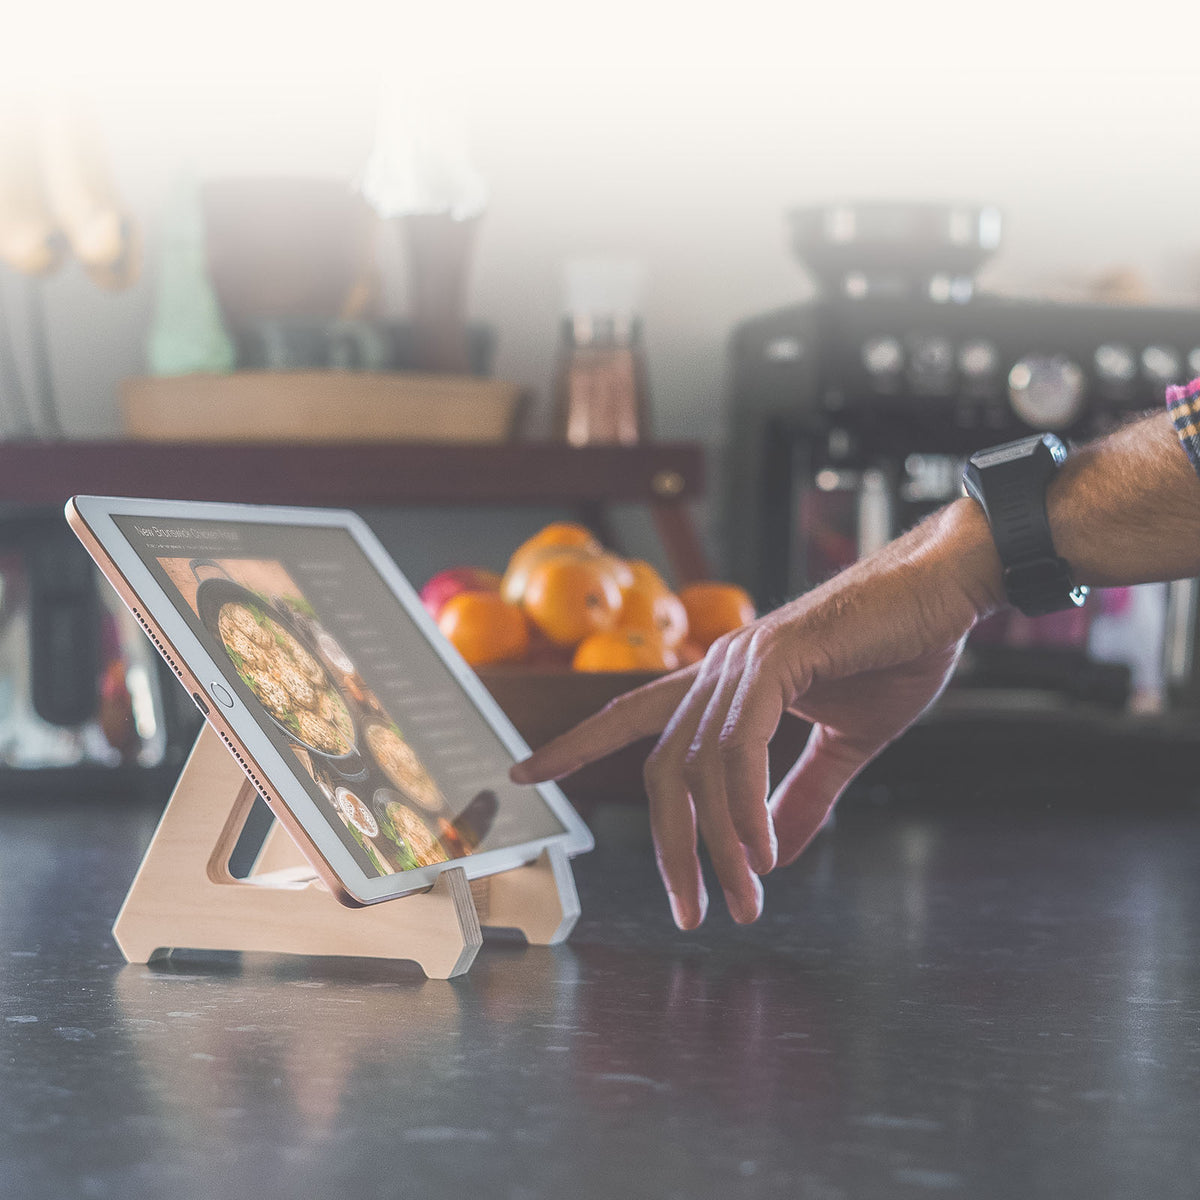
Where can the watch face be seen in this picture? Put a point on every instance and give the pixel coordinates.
(1022, 448)
(1047, 391)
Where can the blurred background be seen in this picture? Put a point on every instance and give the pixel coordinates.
(645, 131)
(807, 215)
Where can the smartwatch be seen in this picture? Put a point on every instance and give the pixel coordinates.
(1009, 482)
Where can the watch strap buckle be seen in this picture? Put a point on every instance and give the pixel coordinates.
(1037, 587)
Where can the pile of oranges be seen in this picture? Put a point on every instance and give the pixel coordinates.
(566, 601)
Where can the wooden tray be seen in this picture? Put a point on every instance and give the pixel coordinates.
(320, 406)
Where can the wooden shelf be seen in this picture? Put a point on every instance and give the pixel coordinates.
(353, 474)
(662, 475)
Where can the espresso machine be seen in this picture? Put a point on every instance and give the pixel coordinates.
(851, 414)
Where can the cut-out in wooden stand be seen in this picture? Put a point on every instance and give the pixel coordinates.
(185, 897)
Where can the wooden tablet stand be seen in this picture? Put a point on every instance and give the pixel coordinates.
(184, 895)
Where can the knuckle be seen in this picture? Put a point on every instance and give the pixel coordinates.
(694, 769)
(736, 739)
(714, 656)
(731, 740)
(762, 642)
(735, 753)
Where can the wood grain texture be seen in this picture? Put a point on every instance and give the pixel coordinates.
(185, 897)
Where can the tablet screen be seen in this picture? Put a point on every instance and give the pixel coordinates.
(344, 683)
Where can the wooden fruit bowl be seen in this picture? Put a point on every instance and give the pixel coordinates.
(543, 703)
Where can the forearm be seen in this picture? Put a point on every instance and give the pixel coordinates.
(1126, 509)
(1123, 510)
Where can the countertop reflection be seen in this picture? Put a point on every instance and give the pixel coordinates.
(942, 1000)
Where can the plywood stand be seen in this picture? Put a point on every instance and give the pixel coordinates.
(184, 895)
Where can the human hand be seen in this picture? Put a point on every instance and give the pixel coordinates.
(860, 657)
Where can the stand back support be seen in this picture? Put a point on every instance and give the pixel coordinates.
(184, 895)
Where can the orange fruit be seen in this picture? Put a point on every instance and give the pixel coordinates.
(648, 603)
(562, 533)
(622, 571)
(645, 575)
(559, 535)
(520, 568)
(453, 580)
(570, 595)
(714, 609)
(554, 539)
(624, 650)
(484, 628)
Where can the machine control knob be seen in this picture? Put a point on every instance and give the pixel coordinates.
(1115, 363)
(883, 355)
(1047, 391)
(1161, 364)
(978, 358)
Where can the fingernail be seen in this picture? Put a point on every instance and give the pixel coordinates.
(762, 861)
(759, 858)
(682, 915)
(519, 773)
(746, 910)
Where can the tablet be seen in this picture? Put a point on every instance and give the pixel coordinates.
(369, 737)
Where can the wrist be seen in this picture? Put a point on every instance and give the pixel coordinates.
(965, 552)
(1010, 483)
(1126, 510)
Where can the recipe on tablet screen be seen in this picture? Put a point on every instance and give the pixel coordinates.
(337, 674)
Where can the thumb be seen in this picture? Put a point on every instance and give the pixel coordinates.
(811, 787)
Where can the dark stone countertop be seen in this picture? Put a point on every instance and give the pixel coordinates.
(985, 998)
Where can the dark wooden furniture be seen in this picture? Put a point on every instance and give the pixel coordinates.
(665, 476)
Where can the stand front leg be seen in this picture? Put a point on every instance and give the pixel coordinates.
(540, 899)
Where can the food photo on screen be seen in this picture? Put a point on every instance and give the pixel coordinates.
(354, 750)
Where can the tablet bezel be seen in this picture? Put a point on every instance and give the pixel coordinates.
(91, 517)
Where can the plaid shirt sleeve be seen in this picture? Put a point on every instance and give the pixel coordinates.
(1183, 405)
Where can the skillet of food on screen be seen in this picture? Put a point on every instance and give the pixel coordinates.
(402, 768)
(271, 658)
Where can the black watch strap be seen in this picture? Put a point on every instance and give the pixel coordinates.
(1009, 482)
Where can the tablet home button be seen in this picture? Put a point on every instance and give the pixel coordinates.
(221, 695)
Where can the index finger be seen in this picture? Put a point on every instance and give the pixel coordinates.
(637, 714)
